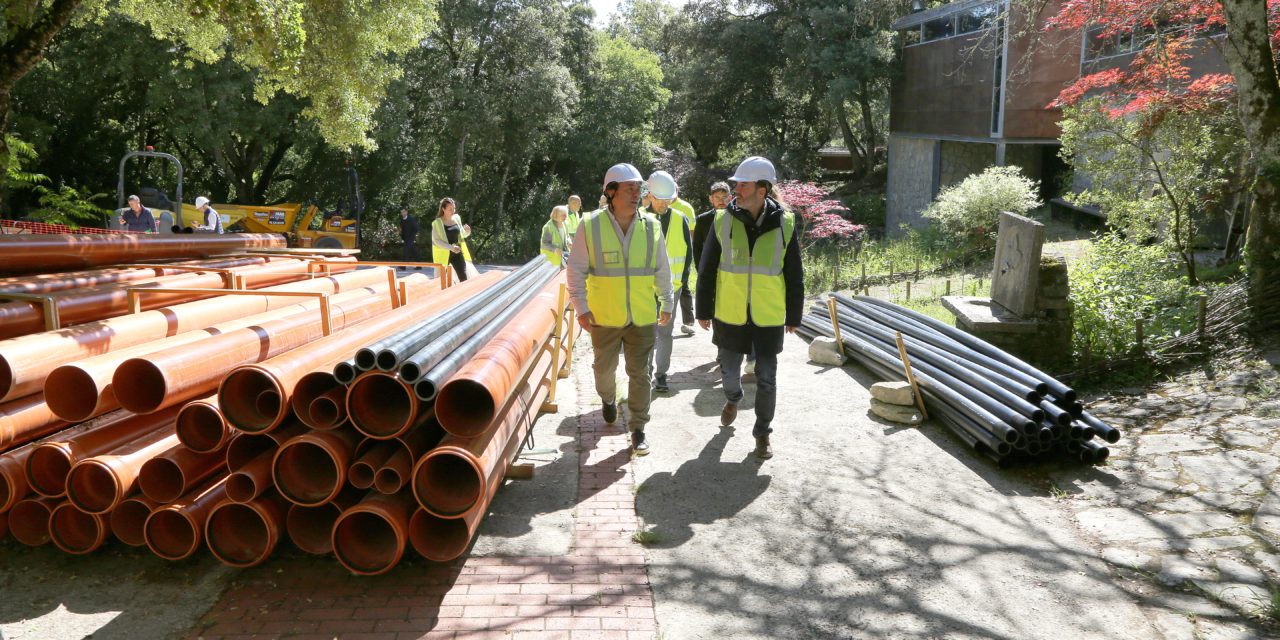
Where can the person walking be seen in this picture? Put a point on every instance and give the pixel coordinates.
(620, 284)
(719, 199)
(664, 194)
(555, 236)
(212, 220)
(676, 234)
(753, 288)
(574, 216)
(449, 239)
(138, 218)
(409, 234)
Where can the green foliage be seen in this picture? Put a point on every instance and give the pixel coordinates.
(1118, 281)
(68, 206)
(15, 174)
(969, 212)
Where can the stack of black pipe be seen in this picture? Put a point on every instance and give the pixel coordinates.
(998, 404)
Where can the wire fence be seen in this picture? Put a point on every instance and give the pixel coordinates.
(16, 227)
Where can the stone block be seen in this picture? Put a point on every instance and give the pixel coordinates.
(895, 413)
(1016, 275)
(824, 351)
(897, 392)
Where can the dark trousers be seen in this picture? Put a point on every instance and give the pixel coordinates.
(686, 306)
(410, 252)
(459, 265)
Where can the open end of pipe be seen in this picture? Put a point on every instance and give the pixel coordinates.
(388, 481)
(447, 484)
(76, 396)
(74, 531)
(425, 390)
(361, 474)
(1101, 455)
(410, 372)
(93, 488)
(1004, 448)
(311, 528)
(47, 471)
(7, 491)
(6, 377)
(238, 399)
(1069, 396)
(1012, 436)
(162, 480)
(311, 386)
(139, 385)
(245, 447)
(170, 535)
(241, 487)
(366, 359)
(438, 539)
(306, 474)
(1037, 416)
(267, 403)
(324, 412)
(365, 543)
(465, 407)
(200, 428)
(344, 373)
(386, 360)
(380, 406)
(127, 521)
(238, 535)
(1112, 436)
(29, 522)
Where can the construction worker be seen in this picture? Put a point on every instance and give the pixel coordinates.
(571, 221)
(409, 235)
(212, 221)
(663, 193)
(620, 285)
(555, 236)
(138, 218)
(753, 287)
(449, 239)
(719, 199)
(676, 234)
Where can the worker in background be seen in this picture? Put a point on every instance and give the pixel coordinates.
(620, 285)
(719, 199)
(212, 221)
(449, 239)
(676, 235)
(138, 218)
(574, 216)
(753, 287)
(409, 235)
(555, 236)
(663, 193)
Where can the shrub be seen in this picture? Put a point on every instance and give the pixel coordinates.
(969, 212)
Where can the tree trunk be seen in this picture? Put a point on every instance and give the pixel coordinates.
(459, 162)
(1248, 52)
(24, 49)
(846, 133)
(868, 129)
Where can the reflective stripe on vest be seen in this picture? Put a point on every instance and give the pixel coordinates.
(621, 286)
(751, 282)
(677, 249)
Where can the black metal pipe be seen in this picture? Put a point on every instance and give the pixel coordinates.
(1096, 453)
(345, 372)
(1055, 413)
(1102, 429)
(414, 366)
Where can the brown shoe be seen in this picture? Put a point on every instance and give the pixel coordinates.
(728, 414)
(764, 450)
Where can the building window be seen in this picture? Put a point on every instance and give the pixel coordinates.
(939, 29)
(958, 23)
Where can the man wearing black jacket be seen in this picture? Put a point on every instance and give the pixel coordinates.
(752, 284)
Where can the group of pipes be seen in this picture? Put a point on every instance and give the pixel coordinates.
(234, 420)
(993, 401)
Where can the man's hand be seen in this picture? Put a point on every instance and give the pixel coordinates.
(456, 249)
(791, 329)
(466, 228)
(664, 318)
(586, 321)
(122, 220)
(705, 324)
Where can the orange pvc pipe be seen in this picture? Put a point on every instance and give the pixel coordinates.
(311, 528)
(319, 400)
(50, 282)
(50, 462)
(27, 419)
(281, 374)
(25, 362)
(129, 518)
(175, 531)
(251, 480)
(29, 520)
(244, 534)
(36, 253)
(382, 406)
(171, 376)
(247, 446)
(370, 538)
(13, 476)
(469, 401)
(369, 457)
(410, 447)
(449, 481)
(167, 476)
(312, 468)
(77, 532)
(96, 485)
(444, 539)
(201, 426)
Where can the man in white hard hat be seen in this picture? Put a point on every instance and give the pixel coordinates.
(212, 222)
(664, 196)
(620, 285)
(676, 234)
(753, 287)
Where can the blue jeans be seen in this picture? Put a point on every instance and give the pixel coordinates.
(766, 385)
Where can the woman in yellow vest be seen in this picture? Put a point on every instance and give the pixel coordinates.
(449, 239)
(555, 236)
(752, 284)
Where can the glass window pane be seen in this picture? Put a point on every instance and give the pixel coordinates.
(940, 28)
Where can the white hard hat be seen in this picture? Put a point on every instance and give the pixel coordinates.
(622, 173)
(201, 201)
(662, 186)
(755, 169)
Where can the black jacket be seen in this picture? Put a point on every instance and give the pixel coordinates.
(741, 339)
(409, 229)
(700, 233)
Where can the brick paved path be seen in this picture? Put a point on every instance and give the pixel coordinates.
(599, 591)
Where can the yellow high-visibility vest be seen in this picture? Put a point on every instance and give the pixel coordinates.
(749, 283)
(439, 255)
(685, 209)
(677, 248)
(571, 223)
(620, 280)
(553, 238)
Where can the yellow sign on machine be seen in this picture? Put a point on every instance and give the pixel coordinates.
(311, 229)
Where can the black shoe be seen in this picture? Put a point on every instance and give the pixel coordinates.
(638, 445)
(610, 412)
(764, 450)
(660, 384)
